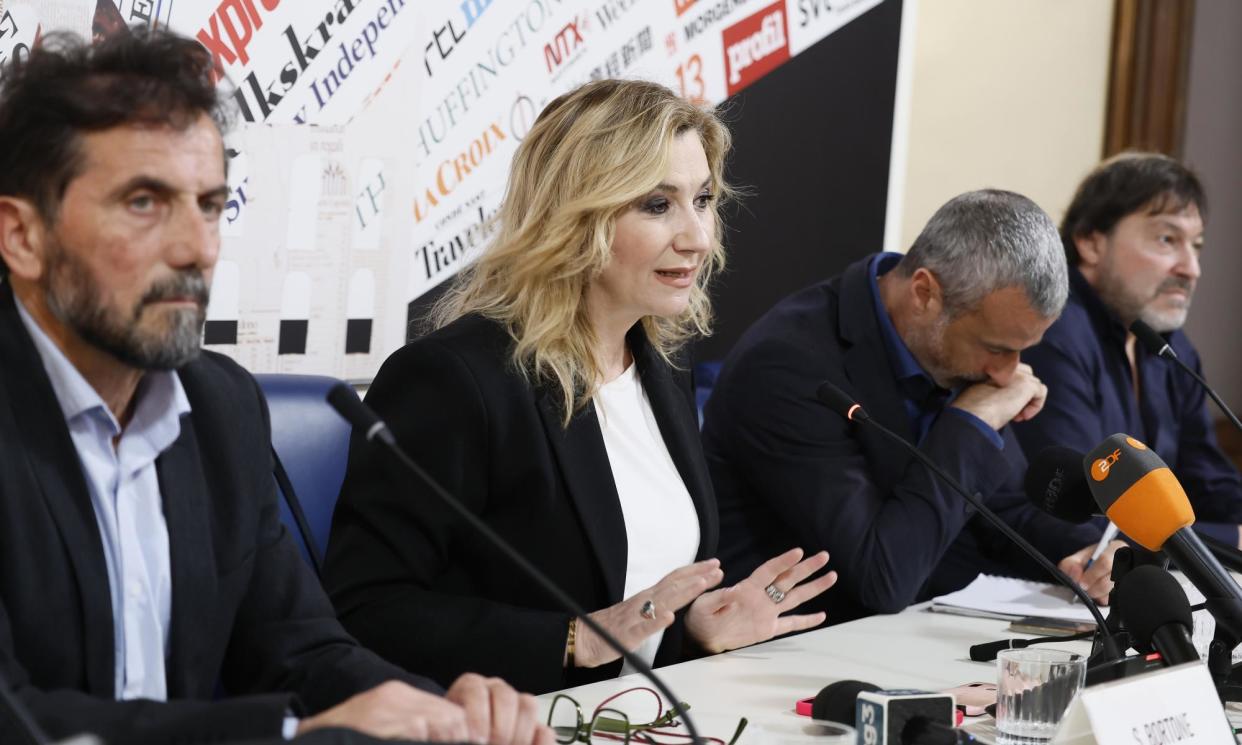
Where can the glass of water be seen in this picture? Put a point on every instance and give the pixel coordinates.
(1034, 687)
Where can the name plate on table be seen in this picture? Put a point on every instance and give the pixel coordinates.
(1173, 706)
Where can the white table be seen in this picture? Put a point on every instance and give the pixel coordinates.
(912, 649)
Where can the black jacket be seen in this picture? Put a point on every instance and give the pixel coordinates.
(416, 584)
(788, 471)
(247, 614)
(1082, 360)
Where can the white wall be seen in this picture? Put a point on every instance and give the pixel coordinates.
(1008, 94)
(1213, 148)
(1013, 94)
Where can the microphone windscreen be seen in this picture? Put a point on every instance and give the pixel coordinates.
(346, 402)
(836, 701)
(1147, 336)
(1137, 491)
(835, 398)
(1056, 484)
(1147, 598)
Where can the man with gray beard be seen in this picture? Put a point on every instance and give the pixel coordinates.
(148, 591)
(1133, 235)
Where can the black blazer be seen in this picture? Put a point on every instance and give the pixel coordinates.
(247, 614)
(421, 588)
(790, 472)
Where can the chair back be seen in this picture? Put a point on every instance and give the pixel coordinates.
(705, 374)
(310, 444)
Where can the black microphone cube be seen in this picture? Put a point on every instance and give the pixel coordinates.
(880, 716)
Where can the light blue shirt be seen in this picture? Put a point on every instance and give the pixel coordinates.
(119, 467)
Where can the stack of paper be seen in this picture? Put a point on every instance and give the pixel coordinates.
(1007, 598)
(1010, 599)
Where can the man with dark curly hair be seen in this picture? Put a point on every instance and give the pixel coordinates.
(1133, 235)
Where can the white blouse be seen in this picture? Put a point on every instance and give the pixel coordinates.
(661, 525)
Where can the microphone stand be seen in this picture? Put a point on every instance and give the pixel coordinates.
(346, 403)
(1227, 555)
(1227, 676)
(11, 708)
(1105, 648)
(1155, 344)
(1220, 651)
(1227, 611)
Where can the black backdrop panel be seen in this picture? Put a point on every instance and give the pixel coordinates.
(811, 143)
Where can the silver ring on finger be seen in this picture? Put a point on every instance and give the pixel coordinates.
(648, 610)
(774, 592)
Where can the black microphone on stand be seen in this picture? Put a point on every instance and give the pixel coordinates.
(1154, 343)
(845, 405)
(1139, 493)
(1156, 612)
(1056, 484)
(364, 420)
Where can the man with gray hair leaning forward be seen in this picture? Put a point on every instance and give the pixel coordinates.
(928, 343)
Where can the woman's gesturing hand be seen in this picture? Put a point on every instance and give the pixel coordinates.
(646, 612)
(750, 611)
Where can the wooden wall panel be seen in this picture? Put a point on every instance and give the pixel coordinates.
(1150, 67)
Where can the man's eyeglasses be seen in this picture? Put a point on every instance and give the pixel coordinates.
(610, 724)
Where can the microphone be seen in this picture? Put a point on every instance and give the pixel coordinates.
(841, 402)
(1154, 343)
(836, 701)
(1151, 340)
(987, 651)
(346, 403)
(1055, 483)
(844, 404)
(1157, 614)
(1139, 493)
(891, 717)
(361, 417)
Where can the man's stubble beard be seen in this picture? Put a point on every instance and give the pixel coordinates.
(74, 298)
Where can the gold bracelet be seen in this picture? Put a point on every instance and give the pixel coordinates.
(569, 643)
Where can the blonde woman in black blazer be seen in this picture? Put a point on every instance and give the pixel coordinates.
(606, 241)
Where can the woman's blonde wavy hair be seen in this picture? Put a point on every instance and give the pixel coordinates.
(592, 153)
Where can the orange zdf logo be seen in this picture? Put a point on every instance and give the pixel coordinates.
(1101, 468)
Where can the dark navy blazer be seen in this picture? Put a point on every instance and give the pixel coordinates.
(248, 617)
(1083, 362)
(789, 472)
